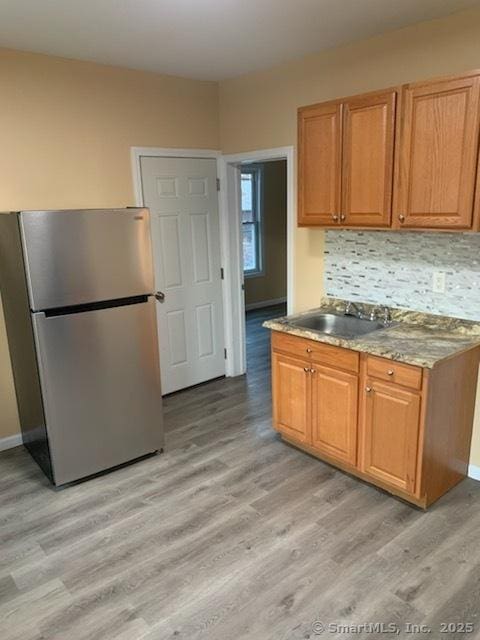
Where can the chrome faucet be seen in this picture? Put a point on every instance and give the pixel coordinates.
(386, 315)
(352, 309)
(381, 313)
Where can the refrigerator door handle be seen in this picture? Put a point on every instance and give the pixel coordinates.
(160, 296)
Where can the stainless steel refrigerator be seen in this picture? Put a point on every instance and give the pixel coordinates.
(78, 297)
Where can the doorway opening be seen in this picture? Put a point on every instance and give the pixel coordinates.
(257, 203)
(264, 241)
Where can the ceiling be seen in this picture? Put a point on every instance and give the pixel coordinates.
(203, 39)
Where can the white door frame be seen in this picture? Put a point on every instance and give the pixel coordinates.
(230, 237)
(230, 213)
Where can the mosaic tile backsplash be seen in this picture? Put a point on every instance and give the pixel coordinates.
(396, 269)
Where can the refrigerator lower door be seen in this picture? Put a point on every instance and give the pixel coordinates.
(100, 379)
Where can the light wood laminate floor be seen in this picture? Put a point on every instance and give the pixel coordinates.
(230, 534)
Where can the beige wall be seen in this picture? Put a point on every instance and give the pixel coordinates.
(273, 283)
(258, 111)
(66, 129)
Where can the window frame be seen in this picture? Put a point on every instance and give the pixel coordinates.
(257, 197)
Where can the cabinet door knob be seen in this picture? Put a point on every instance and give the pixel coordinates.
(390, 372)
(306, 369)
(308, 350)
(368, 389)
(401, 217)
(343, 217)
(313, 370)
(335, 217)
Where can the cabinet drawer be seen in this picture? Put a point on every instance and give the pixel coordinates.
(316, 351)
(399, 373)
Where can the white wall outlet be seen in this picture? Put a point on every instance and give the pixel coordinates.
(438, 282)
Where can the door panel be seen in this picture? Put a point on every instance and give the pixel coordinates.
(390, 433)
(367, 163)
(319, 164)
(78, 257)
(291, 382)
(182, 196)
(438, 154)
(170, 248)
(334, 413)
(101, 388)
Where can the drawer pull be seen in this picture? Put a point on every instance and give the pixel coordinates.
(390, 372)
(308, 350)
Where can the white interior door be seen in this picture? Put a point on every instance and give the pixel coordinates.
(182, 196)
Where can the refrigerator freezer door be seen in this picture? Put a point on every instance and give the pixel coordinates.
(77, 257)
(101, 387)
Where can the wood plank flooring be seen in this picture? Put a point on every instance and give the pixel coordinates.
(230, 534)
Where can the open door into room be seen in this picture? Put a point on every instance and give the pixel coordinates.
(264, 242)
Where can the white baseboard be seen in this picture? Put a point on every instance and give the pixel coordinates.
(10, 442)
(474, 472)
(265, 303)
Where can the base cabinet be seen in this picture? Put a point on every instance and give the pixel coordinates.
(390, 426)
(291, 396)
(405, 429)
(334, 413)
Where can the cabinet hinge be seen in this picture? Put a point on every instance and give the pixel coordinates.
(218, 184)
(222, 273)
(225, 354)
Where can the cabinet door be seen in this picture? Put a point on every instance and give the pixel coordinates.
(319, 160)
(291, 382)
(390, 428)
(367, 163)
(439, 144)
(334, 413)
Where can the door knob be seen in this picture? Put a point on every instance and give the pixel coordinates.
(160, 296)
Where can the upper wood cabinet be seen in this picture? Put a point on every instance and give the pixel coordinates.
(416, 147)
(367, 160)
(319, 174)
(345, 167)
(438, 154)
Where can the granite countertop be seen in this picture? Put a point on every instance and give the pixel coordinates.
(415, 338)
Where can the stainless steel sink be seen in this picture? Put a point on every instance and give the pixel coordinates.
(342, 326)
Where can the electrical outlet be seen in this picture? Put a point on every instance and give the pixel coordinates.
(438, 282)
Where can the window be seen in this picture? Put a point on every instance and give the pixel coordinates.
(251, 221)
